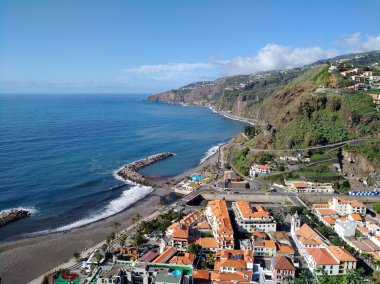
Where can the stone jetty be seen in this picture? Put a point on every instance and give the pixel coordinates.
(130, 171)
(11, 215)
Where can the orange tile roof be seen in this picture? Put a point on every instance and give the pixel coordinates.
(326, 212)
(356, 204)
(329, 220)
(341, 254)
(207, 242)
(254, 212)
(307, 235)
(162, 257)
(315, 205)
(181, 233)
(285, 249)
(356, 216)
(300, 184)
(283, 263)
(201, 274)
(187, 259)
(321, 256)
(237, 276)
(363, 229)
(263, 167)
(266, 244)
(219, 210)
(259, 234)
(203, 225)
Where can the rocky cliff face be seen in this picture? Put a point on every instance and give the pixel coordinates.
(359, 170)
(9, 216)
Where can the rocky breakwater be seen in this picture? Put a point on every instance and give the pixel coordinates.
(130, 171)
(11, 215)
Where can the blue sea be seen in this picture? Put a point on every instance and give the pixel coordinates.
(58, 153)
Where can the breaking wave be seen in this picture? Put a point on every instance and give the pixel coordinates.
(210, 152)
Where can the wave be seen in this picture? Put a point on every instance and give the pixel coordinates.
(32, 210)
(210, 152)
(127, 198)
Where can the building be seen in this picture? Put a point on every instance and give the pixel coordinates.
(345, 229)
(178, 232)
(346, 207)
(254, 218)
(376, 98)
(219, 220)
(186, 259)
(126, 272)
(259, 169)
(264, 248)
(283, 269)
(309, 187)
(208, 244)
(230, 261)
(333, 259)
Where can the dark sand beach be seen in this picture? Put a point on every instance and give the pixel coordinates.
(24, 260)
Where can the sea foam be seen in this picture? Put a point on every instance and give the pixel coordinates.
(210, 152)
(127, 198)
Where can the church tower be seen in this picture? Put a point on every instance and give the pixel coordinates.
(296, 223)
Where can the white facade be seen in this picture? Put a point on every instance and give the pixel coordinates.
(345, 229)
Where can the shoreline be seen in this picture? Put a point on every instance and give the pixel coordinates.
(50, 251)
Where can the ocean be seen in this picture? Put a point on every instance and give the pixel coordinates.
(58, 153)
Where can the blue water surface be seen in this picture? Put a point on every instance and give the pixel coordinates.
(58, 152)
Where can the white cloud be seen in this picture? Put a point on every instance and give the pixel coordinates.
(274, 56)
(357, 44)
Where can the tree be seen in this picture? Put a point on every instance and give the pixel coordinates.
(354, 276)
(76, 255)
(122, 240)
(194, 248)
(376, 207)
(376, 275)
(104, 247)
(98, 256)
(137, 240)
(115, 225)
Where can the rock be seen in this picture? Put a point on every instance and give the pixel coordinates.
(130, 171)
(11, 215)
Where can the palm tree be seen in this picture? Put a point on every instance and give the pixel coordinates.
(116, 226)
(98, 256)
(76, 255)
(122, 240)
(104, 248)
(354, 276)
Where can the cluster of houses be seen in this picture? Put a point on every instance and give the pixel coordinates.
(350, 221)
(241, 243)
(362, 79)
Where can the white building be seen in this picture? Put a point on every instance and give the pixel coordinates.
(346, 207)
(345, 229)
(250, 219)
(259, 169)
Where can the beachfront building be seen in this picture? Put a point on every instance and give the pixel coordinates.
(254, 218)
(143, 273)
(219, 220)
(178, 232)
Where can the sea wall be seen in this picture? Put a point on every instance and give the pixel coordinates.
(130, 171)
(11, 215)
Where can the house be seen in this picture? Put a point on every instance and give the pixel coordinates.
(375, 98)
(264, 248)
(367, 73)
(242, 277)
(283, 269)
(230, 261)
(219, 220)
(201, 276)
(309, 187)
(259, 169)
(186, 259)
(208, 244)
(254, 218)
(166, 255)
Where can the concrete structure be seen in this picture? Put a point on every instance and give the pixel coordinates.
(219, 220)
(345, 229)
(250, 219)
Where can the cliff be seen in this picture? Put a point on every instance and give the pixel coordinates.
(130, 171)
(361, 165)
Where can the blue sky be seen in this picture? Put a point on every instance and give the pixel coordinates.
(149, 46)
